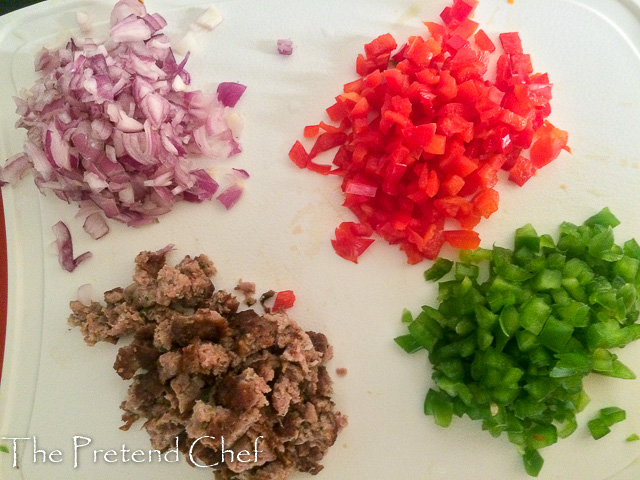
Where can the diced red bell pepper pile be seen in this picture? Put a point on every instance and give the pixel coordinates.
(422, 134)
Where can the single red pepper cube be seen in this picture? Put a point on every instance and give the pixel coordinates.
(462, 239)
(521, 63)
(521, 171)
(466, 28)
(461, 9)
(299, 155)
(511, 42)
(456, 42)
(284, 299)
(483, 42)
(486, 202)
(380, 45)
(446, 16)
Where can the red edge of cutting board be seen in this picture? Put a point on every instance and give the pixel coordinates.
(4, 284)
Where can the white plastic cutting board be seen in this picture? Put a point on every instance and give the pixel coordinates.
(54, 387)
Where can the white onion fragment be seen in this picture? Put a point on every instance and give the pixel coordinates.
(84, 22)
(112, 126)
(209, 19)
(85, 294)
(206, 22)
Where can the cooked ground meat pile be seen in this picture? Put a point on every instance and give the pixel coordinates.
(203, 370)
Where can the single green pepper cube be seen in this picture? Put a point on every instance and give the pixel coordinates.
(573, 312)
(525, 257)
(425, 331)
(603, 218)
(478, 255)
(440, 406)
(462, 270)
(602, 360)
(505, 395)
(526, 236)
(484, 338)
(509, 320)
(570, 364)
(609, 334)
(556, 260)
(573, 287)
(555, 334)
(612, 415)
(526, 340)
(620, 370)
(535, 264)
(465, 326)
(440, 267)
(533, 314)
(627, 268)
(452, 368)
(602, 245)
(542, 435)
(573, 240)
(541, 387)
(485, 318)
(434, 314)
(547, 244)
(578, 269)
(547, 279)
(501, 256)
(512, 376)
(532, 461)
(527, 407)
(567, 427)
(598, 428)
(581, 401)
(514, 273)
(632, 249)
(408, 343)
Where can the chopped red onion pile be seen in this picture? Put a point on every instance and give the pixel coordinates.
(111, 127)
(285, 46)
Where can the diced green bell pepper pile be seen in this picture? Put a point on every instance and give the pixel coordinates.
(517, 330)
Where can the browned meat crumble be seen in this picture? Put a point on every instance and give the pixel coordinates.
(204, 371)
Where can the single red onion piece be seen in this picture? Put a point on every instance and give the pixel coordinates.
(285, 46)
(96, 226)
(166, 249)
(59, 150)
(230, 195)
(230, 92)
(16, 167)
(240, 173)
(125, 8)
(204, 188)
(131, 29)
(65, 248)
